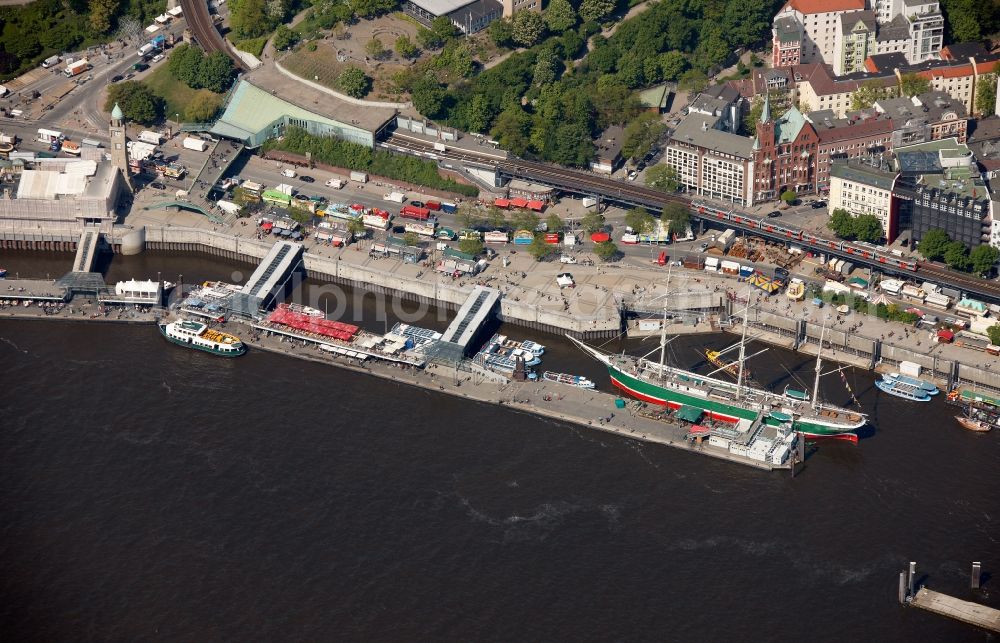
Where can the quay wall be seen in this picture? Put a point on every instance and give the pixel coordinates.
(432, 291)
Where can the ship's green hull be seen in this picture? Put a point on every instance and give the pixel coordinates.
(715, 409)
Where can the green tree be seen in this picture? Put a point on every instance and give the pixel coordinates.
(202, 106)
(788, 196)
(102, 14)
(525, 220)
(511, 130)
(284, 38)
(184, 63)
(371, 8)
(986, 94)
(374, 48)
(933, 244)
(546, 68)
(137, 102)
(677, 216)
(553, 223)
(250, 18)
(592, 222)
(956, 255)
(470, 246)
(560, 16)
(663, 177)
(428, 97)
(969, 20)
(868, 93)
(912, 85)
(993, 332)
(501, 32)
(641, 221)
(606, 250)
(527, 28)
(693, 80)
(469, 216)
(411, 238)
(480, 114)
(496, 217)
(596, 10)
(983, 258)
(215, 72)
(405, 47)
(353, 82)
(444, 29)
(672, 65)
(541, 250)
(357, 228)
(842, 223)
(868, 228)
(428, 39)
(641, 134)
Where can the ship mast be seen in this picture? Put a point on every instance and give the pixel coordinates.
(819, 365)
(743, 347)
(663, 325)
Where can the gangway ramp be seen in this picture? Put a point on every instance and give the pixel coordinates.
(86, 251)
(471, 316)
(273, 272)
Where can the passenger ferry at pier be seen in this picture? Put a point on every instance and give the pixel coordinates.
(197, 335)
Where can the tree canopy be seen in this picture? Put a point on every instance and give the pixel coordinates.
(983, 258)
(137, 102)
(865, 227)
(606, 250)
(911, 84)
(353, 82)
(541, 250)
(986, 94)
(663, 177)
(189, 65)
(933, 244)
(677, 217)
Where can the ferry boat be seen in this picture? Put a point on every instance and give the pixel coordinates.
(660, 383)
(893, 386)
(972, 424)
(930, 387)
(197, 335)
(534, 348)
(565, 378)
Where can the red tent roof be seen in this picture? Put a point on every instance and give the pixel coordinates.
(519, 202)
(501, 203)
(946, 335)
(267, 225)
(600, 237)
(536, 205)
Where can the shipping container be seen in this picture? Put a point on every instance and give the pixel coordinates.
(77, 68)
(196, 144)
(911, 369)
(440, 147)
(413, 212)
(147, 136)
(449, 208)
(396, 197)
(730, 267)
(589, 202)
(725, 240)
(712, 264)
(360, 177)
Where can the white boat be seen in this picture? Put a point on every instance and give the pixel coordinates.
(578, 381)
(893, 386)
(199, 336)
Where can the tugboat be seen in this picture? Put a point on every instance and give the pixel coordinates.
(199, 336)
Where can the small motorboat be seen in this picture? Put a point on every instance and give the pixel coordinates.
(972, 424)
(3, 273)
(570, 380)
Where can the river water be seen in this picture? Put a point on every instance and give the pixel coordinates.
(148, 492)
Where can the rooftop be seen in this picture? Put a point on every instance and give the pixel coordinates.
(609, 145)
(441, 7)
(825, 6)
(896, 29)
(863, 173)
(849, 21)
(788, 126)
(962, 50)
(788, 29)
(699, 130)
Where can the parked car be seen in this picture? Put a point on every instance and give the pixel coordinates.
(773, 214)
(158, 57)
(307, 179)
(140, 67)
(704, 246)
(816, 205)
(156, 185)
(632, 175)
(116, 78)
(417, 204)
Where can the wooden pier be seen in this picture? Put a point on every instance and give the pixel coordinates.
(982, 616)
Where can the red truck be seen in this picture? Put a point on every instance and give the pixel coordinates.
(433, 205)
(413, 212)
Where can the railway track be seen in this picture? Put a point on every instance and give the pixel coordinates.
(202, 26)
(629, 193)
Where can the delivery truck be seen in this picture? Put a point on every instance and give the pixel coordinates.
(76, 68)
(197, 144)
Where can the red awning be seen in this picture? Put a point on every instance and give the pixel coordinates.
(267, 225)
(502, 203)
(945, 335)
(519, 202)
(537, 206)
(600, 237)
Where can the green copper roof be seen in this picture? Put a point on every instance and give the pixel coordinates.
(788, 126)
(116, 113)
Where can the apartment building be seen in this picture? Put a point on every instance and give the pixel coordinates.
(711, 161)
(864, 189)
(930, 116)
(819, 23)
(854, 41)
(860, 135)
